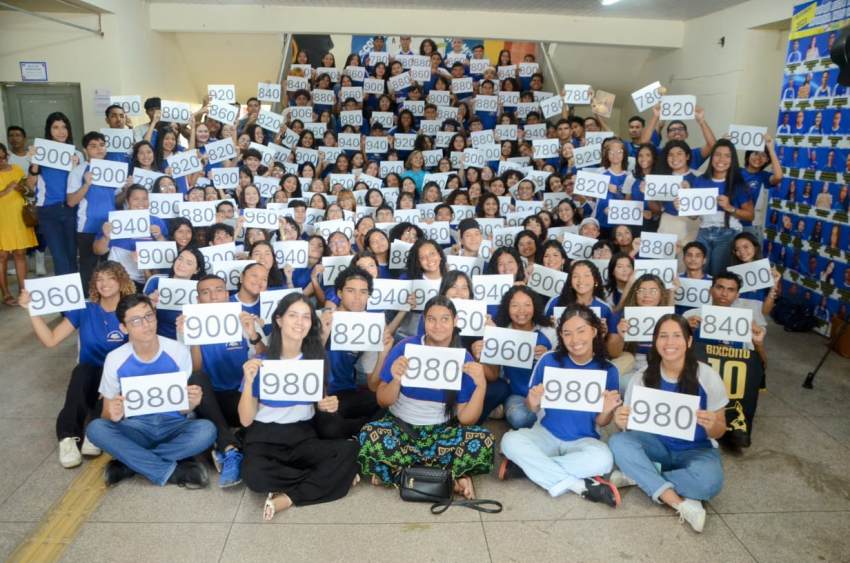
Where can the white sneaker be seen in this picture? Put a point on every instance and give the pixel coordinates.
(620, 479)
(69, 454)
(39, 264)
(692, 511)
(89, 448)
(498, 413)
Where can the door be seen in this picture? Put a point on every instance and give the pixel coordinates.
(28, 105)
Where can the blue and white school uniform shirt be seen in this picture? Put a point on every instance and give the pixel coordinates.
(223, 363)
(681, 309)
(93, 210)
(568, 425)
(100, 333)
(755, 182)
(52, 185)
(605, 311)
(519, 378)
(691, 177)
(742, 196)
(712, 397)
(279, 412)
(166, 320)
(121, 250)
(617, 180)
(419, 406)
(123, 362)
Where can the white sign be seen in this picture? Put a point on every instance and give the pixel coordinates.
(471, 316)
(547, 148)
(390, 295)
(55, 294)
(701, 201)
(747, 137)
(174, 294)
(156, 255)
(641, 322)
(573, 389)
(218, 253)
(577, 94)
(491, 288)
(118, 140)
(506, 236)
(577, 246)
(260, 218)
(508, 347)
(589, 155)
(146, 179)
(130, 224)
(469, 265)
(199, 213)
(270, 121)
(164, 206)
(663, 412)
(152, 394)
(547, 281)
(132, 105)
(222, 92)
(228, 179)
(269, 300)
(219, 151)
(755, 275)
(662, 188)
(223, 113)
(693, 293)
(678, 107)
(333, 266)
(292, 252)
(726, 324)
(552, 106)
(658, 246)
(175, 112)
(294, 83)
(591, 185)
(625, 212)
(398, 254)
(462, 85)
(212, 323)
(373, 86)
(647, 96)
(230, 271)
(433, 368)
(291, 380)
(51, 154)
(506, 132)
(358, 332)
(268, 92)
(184, 163)
(664, 269)
(423, 290)
(108, 173)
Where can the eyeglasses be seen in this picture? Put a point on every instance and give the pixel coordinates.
(643, 291)
(150, 318)
(615, 152)
(337, 244)
(676, 130)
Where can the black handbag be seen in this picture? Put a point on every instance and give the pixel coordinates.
(420, 483)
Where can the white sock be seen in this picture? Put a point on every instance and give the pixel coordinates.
(578, 487)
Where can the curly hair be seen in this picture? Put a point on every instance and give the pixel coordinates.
(600, 350)
(503, 314)
(568, 294)
(126, 285)
(414, 269)
(493, 265)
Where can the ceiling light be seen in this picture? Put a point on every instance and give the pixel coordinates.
(609, 2)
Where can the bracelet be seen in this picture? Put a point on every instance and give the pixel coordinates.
(33, 172)
(257, 340)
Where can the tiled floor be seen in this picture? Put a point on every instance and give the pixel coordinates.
(787, 498)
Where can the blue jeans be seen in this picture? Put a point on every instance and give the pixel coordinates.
(555, 464)
(152, 445)
(516, 413)
(58, 224)
(495, 395)
(718, 242)
(695, 474)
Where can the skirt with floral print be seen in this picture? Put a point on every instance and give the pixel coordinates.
(385, 448)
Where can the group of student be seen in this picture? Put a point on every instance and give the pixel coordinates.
(369, 422)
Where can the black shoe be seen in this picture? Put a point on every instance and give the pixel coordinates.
(189, 474)
(510, 470)
(602, 491)
(738, 438)
(115, 471)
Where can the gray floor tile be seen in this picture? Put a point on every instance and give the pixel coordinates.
(365, 503)
(836, 426)
(792, 466)
(804, 537)
(354, 543)
(12, 534)
(635, 539)
(25, 446)
(139, 500)
(37, 494)
(133, 543)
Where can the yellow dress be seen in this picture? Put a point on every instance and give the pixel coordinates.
(14, 235)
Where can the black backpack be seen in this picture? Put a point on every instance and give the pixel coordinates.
(794, 312)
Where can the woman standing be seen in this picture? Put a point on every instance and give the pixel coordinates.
(57, 221)
(15, 236)
(690, 470)
(282, 455)
(421, 422)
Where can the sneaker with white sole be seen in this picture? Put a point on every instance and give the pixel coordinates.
(39, 264)
(89, 448)
(498, 413)
(69, 453)
(620, 479)
(692, 511)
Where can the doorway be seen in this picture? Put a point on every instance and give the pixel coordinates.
(28, 106)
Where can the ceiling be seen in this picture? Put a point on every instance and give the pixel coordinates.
(644, 9)
(53, 6)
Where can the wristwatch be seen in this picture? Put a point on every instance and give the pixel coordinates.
(255, 341)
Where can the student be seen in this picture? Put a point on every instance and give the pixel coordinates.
(757, 178)
(282, 454)
(421, 422)
(57, 221)
(123, 250)
(690, 470)
(693, 255)
(678, 131)
(116, 119)
(520, 310)
(356, 405)
(155, 445)
(188, 265)
(93, 202)
(563, 451)
(426, 261)
(746, 249)
(621, 267)
(99, 335)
